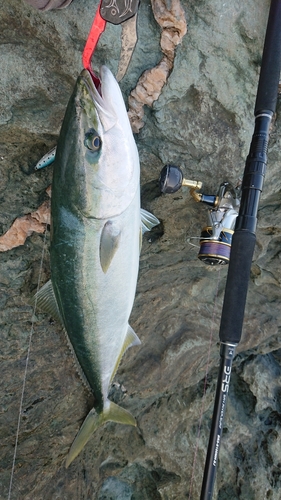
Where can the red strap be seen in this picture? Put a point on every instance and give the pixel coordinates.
(96, 30)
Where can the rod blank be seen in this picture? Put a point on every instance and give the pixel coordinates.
(244, 238)
(270, 66)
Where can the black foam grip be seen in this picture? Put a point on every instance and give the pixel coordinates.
(271, 62)
(242, 249)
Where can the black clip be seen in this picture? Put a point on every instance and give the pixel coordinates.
(118, 11)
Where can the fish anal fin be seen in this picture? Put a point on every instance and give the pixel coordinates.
(109, 242)
(148, 220)
(131, 339)
(94, 420)
(45, 299)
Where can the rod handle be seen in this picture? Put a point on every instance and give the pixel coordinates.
(242, 250)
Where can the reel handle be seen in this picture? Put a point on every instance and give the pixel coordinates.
(171, 180)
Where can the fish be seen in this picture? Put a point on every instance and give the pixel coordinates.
(96, 232)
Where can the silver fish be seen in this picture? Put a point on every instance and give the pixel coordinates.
(96, 229)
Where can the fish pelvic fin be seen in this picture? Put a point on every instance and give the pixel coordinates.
(94, 420)
(148, 220)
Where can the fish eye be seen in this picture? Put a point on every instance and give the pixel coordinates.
(92, 140)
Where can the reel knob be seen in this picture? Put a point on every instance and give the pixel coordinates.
(170, 179)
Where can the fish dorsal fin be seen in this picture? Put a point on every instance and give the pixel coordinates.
(109, 242)
(131, 339)
(45, 299)
(148, 220)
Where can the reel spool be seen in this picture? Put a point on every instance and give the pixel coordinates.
(216, 238)
(215, 251)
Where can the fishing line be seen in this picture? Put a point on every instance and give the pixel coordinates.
(26, 366)
(205, 384)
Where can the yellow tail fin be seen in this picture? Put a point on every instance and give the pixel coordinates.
(111, 413)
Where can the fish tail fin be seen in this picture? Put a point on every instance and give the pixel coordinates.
(111, 413)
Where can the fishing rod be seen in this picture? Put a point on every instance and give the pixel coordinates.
(244, 238)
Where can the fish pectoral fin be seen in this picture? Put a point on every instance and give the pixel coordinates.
(45, 299)
(109, 242)
(111, 413)
(131, 339)
(148, 220)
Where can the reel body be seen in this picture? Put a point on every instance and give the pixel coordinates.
(216, 238)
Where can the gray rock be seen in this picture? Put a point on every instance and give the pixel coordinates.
(114, 489)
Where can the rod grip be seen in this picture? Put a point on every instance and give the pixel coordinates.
(242, 250)
(271, 62)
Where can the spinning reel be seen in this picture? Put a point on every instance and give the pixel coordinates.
(216, 237)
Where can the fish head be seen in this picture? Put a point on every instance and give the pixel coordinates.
(97, 162)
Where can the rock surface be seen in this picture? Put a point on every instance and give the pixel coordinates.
(203, 122)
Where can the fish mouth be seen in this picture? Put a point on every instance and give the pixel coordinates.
(93, 83)
(95, 87)
(96, 79)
